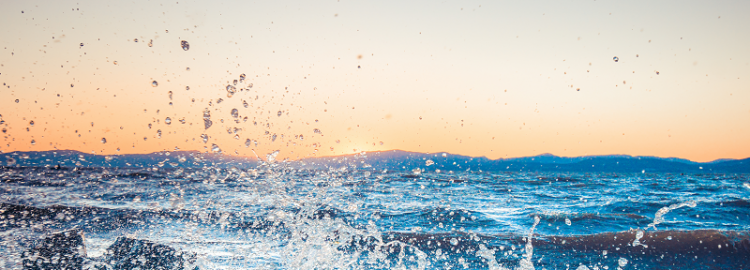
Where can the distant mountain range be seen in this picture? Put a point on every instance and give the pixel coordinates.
(391, 160)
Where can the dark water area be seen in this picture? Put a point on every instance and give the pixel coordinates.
(278, 217)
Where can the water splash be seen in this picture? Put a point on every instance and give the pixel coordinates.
(659, 216)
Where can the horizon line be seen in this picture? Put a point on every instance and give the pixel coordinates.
(382, 151)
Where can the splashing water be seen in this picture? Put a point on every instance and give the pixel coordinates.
(659, 216)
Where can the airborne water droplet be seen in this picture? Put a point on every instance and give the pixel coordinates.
(247, 143)
(150, 43)
(244, 104)
(272, 156)
(204, 137)
(316, 131)
(31, 123)
(33, 142)
(231, 89)
(17, 100)
(567, 221)
(622, 262)
(154, 84)
(185, 45)
(215, 148)
(187, 87)
(235, 113)
(234, 82)
(278, 113)
(657, 72)
(429, 162)
(104, 140)
(615, 59)
(207, 119)
(168, 121)
(242, 77)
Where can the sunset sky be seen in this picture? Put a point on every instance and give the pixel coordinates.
(480, 78)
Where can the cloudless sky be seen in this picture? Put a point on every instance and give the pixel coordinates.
(480, 78)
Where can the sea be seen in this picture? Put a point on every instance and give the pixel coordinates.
(278, 216)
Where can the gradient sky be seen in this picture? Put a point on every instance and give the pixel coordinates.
(480, 78)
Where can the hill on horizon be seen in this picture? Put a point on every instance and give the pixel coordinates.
(383, 160)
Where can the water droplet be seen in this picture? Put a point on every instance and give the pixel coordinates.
(81, 44)
(168, 121)
(207, 119)
(429, 162)
(616, 59)
(669, 237)
(316, 131)
(17, 100)
(242, 77)
(150, 43)
(454, 241)
(187, 68)
(250, 85)
(236, 136)
(272, 156)
(33, 142)
(235, 113)
(104, 140)
(204, 137)
(301, 137)
(185, 45)
(215, 148)
(657, 72)
(170, 95)
(136, 40)
(154, 83)
(244, 104)
(31, 123)
(567, 221)
(231, 89)
(273, 138)
(234, 82)
(278, 113)
(114, 62)
(187, 87)
(158, 133)
(248, 142)
(622, 262)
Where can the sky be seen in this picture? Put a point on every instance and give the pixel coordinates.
(481, 78)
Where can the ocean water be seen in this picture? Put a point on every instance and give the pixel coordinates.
(278, 217)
